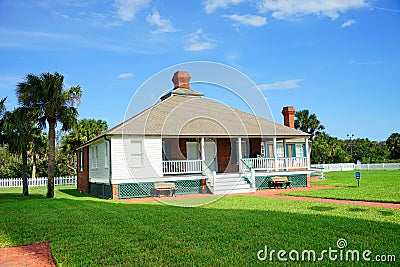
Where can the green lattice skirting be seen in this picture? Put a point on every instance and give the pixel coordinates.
(132, 190)
(100, 190)
(298, 180)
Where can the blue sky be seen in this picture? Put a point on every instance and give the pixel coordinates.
(339, 59)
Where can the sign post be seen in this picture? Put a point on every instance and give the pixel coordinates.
(358, 176)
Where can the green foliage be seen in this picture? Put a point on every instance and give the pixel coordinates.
(82, 132)
(327, 149)
(10, 164)
(393, 144)
(2, 112)
(308, 123)
(379, 186)
(85, 231)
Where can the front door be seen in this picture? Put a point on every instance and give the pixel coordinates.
(210, 154)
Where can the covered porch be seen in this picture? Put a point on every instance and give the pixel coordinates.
(233, 155)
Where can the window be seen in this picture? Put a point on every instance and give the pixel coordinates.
(106, 153)
(81, 160)
(263, 153)
(279, 151)
(96, 157)
(234, 151)
(245, 148)
(137, 153)
(299, 150)
(92, 157)
(192, 150)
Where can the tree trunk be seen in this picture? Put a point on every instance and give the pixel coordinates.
(34, 166)
(52, 150)
(25, 191)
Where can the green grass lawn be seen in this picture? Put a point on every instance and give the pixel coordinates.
(86, 231)
(381, 186)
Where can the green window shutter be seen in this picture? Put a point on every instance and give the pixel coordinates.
(304, 150)
(293, 150)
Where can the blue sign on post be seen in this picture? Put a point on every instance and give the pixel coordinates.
(358, 176)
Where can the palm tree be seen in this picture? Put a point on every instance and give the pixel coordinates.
(21, 130)
(46, 97)
(37, 148)
(308, 123)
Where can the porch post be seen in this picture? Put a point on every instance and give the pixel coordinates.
(285, 160)
(203, 156)
(308, 154)
(240, 153)
(275, 156)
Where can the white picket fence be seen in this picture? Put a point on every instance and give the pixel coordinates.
(352, 166)
(41, 181)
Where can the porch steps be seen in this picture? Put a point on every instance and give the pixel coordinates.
(230, 184)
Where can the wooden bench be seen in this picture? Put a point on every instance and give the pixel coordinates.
(281, 181)
(162, 186)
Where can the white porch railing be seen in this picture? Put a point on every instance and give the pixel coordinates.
(210, 176)
(269, 163)
(182, 166)
(42, 181)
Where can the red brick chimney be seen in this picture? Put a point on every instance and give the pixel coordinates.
(288, 116)
(181, 79)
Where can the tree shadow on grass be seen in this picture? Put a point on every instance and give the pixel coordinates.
(74, 193)
(321, 208)
(7, 197)
(356, 209)
(386, 212)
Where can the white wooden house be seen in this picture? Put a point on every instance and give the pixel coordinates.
(199, 144)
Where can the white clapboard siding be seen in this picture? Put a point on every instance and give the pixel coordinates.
(100, 172)
(123, 168)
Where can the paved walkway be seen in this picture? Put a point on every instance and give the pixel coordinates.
(274, 193)
(34, 255)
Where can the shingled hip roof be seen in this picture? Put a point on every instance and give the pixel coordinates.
(182, 115)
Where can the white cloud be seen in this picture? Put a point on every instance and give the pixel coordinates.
(198, 41)
(247, 19)
(293, 8)
(348, 23)
(126, 75)
(163, 25)
(126, 9)
(211, 5)
(281, 85)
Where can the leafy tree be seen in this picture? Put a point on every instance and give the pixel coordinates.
(85, 130)
(327, 149)
(393, 144)
(45, 96)
(2, 111)
(21, 130)
(306, 122)
(10, 164)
